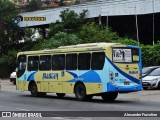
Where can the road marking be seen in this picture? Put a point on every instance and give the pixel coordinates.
(22, 109)
(71, 118)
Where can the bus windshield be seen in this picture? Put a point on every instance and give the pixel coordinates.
(125, 55)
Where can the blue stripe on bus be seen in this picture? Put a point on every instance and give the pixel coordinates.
(31, 76)
(73, 74)
(113, 88)
(123, 73)
(90, 76)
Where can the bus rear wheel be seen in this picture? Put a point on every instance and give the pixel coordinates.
(110, 96)
(60, 95)
(33, 90)
(80, 92)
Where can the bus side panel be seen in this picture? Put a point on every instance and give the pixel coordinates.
(68, 87)
(93, 88)
(22, 83)
(91, 79)
(50, 81)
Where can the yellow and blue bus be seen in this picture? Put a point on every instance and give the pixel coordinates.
(86, 70)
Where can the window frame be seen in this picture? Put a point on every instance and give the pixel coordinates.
(63, 61)
(45, 63)
(28, 63)
(89, 60)
(76, 61)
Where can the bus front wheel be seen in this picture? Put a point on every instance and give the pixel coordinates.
(110, 96)
(80, 92)
(33, 90)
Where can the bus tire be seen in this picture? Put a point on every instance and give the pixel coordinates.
(80, 92)
(110, 96)
(60, 95)
(33, 90)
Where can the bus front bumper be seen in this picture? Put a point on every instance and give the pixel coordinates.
(114, 88)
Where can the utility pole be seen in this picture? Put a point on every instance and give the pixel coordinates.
(137, 25)
(153, 20)
(136, 17)
(107, 20)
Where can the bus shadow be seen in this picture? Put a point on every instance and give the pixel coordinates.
(70, 98)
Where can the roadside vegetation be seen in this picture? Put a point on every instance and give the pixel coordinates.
(73, 29)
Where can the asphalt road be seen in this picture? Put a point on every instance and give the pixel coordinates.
(12, 100)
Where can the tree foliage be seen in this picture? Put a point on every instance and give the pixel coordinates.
(61, 39)
(8, 31)
(70, 22)
(150, 55)
(126, 41)
(91, 32)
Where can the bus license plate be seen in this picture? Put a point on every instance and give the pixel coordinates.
(126, 83)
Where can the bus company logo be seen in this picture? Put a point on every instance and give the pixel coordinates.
(50, 76)
(17, 19)
(34, 18)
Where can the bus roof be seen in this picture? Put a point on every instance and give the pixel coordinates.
(79, 47)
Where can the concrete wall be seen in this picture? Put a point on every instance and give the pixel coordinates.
(96, 8)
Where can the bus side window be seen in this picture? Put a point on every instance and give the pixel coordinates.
(98, 59)
(84, 61)
(58, 62)
(45, 62)
(71, 62)
(33, 62)
(135, 55)
(21, 65)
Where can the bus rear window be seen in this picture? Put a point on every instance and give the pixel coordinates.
(126, 55)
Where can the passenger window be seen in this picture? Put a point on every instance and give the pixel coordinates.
(33, 62)
(58, 62)
(71, 61)
(21, 65)
(135, 55)
(45, 62)
(84, 61)
(98, 59)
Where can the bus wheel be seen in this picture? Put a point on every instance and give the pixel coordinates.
(109, 96)
(80, 92)
(60, 95)
(33, 90)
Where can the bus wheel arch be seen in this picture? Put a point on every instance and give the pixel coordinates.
(80, 91)
(32, 87)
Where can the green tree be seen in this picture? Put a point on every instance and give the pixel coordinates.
(126, 41)
(8, 31)
(91, 32)
(34, 5)
(150, 55)
(61, 39)
(70, 22)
